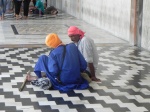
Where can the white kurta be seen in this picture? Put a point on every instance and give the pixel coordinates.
(88, 49)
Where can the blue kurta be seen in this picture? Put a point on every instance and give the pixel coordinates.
(73, 65)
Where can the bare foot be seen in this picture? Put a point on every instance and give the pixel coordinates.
(95, 79)
(25, 17)
(29, 77)
(2, 17)
(9, 11)
(18, 17)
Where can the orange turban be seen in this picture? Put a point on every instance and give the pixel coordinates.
(52, 40)
(73, 30)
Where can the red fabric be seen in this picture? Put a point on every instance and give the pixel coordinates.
(73, 30)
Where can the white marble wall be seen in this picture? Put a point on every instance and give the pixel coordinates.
(110, 15)
(145, 41)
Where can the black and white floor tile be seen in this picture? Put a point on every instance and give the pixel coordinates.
(125, 85)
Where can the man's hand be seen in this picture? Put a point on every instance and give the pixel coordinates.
(95, 79)
(92, 70)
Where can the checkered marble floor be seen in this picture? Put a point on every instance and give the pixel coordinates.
(125, 86)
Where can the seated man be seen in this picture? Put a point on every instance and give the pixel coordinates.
(87, 48)
(38, 9)
(63, 65)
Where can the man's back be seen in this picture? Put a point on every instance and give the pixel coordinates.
(88, 50)
(72, 65)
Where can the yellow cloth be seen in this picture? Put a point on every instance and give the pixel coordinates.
(52, 40)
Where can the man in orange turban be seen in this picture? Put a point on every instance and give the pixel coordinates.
(63, 65)
(52, 40)
(87, 48)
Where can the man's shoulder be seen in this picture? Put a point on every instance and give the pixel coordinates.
(70, 44)
(58, 50)
(87, 39)
(65, 46)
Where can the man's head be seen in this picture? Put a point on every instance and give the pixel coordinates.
(52, 40)
(75, 33)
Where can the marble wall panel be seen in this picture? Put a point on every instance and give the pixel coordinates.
(112, 16)
(145, 41)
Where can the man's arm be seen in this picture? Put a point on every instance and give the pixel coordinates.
(87, 52)
(92, 70)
